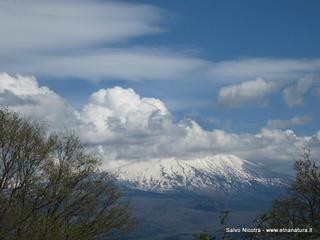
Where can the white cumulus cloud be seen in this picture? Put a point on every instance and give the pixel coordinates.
(119, 114)
(122, 126)
(24, 95)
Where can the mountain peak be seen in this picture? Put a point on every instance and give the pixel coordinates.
(214, 173)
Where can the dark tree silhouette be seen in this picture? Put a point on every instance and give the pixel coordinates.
(301, 209)
(297, 212)
(51, 188)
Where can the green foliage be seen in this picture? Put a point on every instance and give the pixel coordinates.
(301, 209)
(51, 188)
(205, 236)
(224, 215)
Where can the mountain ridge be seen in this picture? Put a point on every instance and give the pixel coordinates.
(212, 173)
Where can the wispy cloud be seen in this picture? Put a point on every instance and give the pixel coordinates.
(269, 68)
(287, 123)
(44, 25)
(132, 64)
(246, 93)
(92, 40)
(293, 95)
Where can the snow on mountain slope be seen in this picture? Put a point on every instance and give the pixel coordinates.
(212, 173)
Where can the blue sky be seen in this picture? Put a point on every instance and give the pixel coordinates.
(232, 29)
(242, 67)
(219, 31)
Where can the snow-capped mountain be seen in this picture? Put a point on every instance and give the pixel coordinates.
(216, 173)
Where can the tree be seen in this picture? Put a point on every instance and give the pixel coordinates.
(51, 188)
(301, 209)
(205, 236)
(223, 218)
